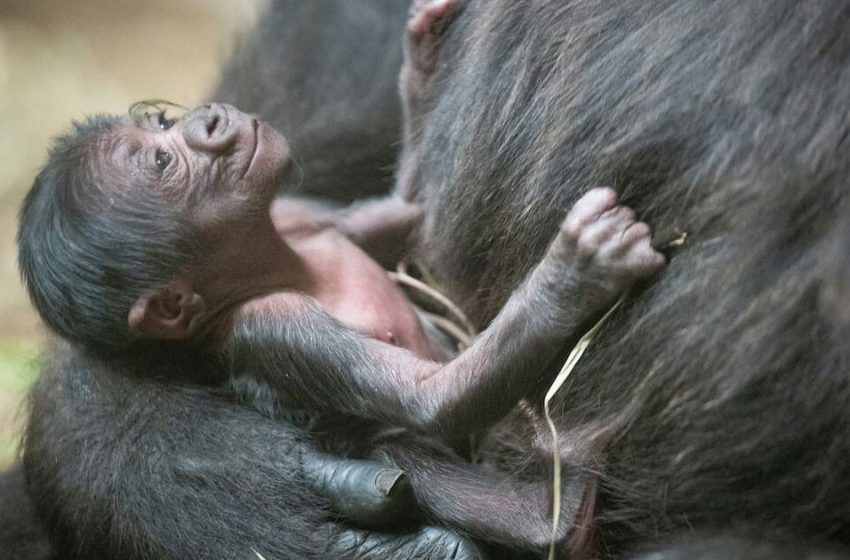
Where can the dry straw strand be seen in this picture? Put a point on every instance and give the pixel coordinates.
(560, 379)
(569, 365)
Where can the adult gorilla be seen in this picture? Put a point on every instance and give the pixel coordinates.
(718, 399)
(715, 401)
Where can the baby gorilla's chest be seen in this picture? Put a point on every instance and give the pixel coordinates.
(354, 289)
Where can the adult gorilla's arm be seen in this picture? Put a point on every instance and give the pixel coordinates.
(121, 465)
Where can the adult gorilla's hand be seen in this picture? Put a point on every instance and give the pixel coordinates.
(365, 493)
(427, 543)
(376, 496)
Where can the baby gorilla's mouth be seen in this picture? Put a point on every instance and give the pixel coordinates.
(255, 124)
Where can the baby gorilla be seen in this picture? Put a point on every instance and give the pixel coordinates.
(145, 235)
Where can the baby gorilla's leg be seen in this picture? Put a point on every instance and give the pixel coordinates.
(489, 505)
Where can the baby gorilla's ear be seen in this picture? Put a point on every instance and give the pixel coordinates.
(169, 313)
(428, 21)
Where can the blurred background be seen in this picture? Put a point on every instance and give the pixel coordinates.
(61, 60)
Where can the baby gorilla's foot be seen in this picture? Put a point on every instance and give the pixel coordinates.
(602, 250)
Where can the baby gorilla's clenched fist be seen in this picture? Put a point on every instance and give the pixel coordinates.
(600, 251)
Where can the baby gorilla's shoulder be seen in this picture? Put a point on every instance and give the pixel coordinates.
(278, 304)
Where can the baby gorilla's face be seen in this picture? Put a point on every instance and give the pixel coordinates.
(213, 159)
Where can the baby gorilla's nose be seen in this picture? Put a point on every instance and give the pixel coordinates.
(211, 128)
(212, 124)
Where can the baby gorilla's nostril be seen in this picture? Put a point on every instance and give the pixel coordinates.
(212, 124)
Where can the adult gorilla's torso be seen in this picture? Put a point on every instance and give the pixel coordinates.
(718, 396)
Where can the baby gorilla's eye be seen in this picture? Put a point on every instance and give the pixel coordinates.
(163, 121)
(162, 159)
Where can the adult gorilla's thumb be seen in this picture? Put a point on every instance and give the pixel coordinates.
(366, 493)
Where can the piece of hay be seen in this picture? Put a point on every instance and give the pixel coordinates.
(453, 321)
(560, 379)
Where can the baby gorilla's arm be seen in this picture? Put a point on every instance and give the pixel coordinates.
(310, 361)
(381, 227)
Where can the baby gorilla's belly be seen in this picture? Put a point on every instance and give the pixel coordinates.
(357, 291)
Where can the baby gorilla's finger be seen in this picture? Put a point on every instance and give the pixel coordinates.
(622, 213)
(587, 210)
(644, 261)
(632, 234)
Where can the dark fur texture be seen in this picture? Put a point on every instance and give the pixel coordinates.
(718, 398)
(324, 74)
(121, 434)
(21, 534)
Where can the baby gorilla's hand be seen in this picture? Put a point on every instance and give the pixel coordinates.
(601, 249)
(382, 227)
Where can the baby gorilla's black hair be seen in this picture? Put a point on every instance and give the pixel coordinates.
(89, 246)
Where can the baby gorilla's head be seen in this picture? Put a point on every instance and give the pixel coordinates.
(125, 203)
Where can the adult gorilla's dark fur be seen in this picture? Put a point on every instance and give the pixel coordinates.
(715, 401)
(325, 74)
(21, 534)
(719, 398)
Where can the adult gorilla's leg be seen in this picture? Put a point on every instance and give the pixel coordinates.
(21, 535)
(131, 464)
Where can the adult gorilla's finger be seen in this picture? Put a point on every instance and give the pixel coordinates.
(366, 493)
(428, 543)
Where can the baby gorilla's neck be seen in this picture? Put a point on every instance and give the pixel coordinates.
(248, 261)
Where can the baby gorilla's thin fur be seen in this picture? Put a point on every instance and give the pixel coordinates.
(280, 305)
